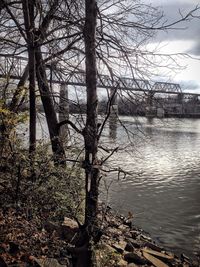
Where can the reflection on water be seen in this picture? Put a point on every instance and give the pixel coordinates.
(113, 127)
(164, 193)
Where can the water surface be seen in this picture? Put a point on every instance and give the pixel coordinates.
(163, 192)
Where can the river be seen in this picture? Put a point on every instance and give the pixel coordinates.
(164, 192)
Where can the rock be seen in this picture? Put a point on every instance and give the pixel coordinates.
(184, 257)
(134, 243)
(113, 232)
(134, 258)
(70, 223)
(127, 235)
(162, 256)
(152, 246)
(129, 247)
(123, 227)
(195, 264)
(49, 262)
(121, 263)
(132, 265)
(134, 233)
(109, 248)
(128, 222)
(65, 231)
(69, 229)
(119, 247)
(144, 237)
(156, 262)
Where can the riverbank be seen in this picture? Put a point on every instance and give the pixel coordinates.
(134, 247)
(36, 242)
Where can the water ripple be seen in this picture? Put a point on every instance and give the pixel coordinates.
(164, 191)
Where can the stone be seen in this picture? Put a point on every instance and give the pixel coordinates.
(132, 265)
(113, 232)
(128, 235)
(144, 237)
(152, 246)
(118, 249)
(121, 263)
(155, 261)
(49, 262)
(67, 230)
(160, 255)
(108, 248)
(129, 223)
(134, 233)
(123, 227)
(195, 264)
(129, 247)
(120, 246)
(136, 244)
(72, 224)
(134, 258)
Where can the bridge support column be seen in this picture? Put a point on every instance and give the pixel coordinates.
(150, 111)
(113, 114)
(64, 111)
(113, 103)
(160, 112)
(180, 104)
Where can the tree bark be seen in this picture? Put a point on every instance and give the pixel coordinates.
(64, 112)
(91, 130)
(28, 10)
(52, 122)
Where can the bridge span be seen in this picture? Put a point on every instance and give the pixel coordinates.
(14, 68)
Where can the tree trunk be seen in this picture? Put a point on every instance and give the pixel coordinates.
(52, 122)
(91, 129)
(64, 112)
(28, 10)
(90, 133)
(17, 98)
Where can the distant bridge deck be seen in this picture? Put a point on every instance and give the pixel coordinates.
(13, 67)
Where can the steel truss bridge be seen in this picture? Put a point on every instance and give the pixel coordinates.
(13, 67)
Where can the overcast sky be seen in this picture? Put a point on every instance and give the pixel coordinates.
(184, 40)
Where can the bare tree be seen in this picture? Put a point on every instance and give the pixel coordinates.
(110, 36)
(90, 132)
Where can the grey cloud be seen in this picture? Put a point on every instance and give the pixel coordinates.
(190, 85)
(195, 50)
(187, 30)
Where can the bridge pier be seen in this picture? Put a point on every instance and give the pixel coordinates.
(64, 111)
(113, 103)
(150, 111)
(160, 112)
(113, 114)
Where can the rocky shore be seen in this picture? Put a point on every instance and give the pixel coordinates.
(50, 244)
(123, 244)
